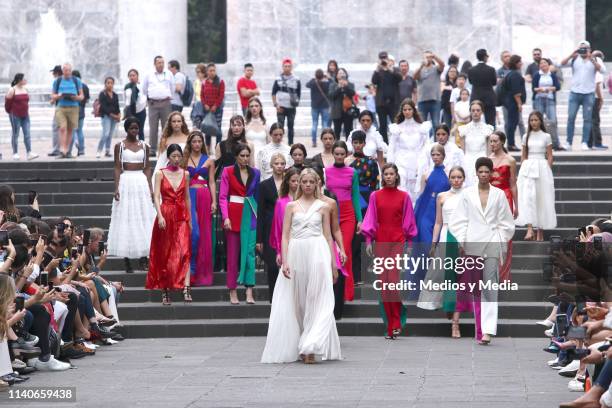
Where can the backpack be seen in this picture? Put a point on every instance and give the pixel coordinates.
(187, 94)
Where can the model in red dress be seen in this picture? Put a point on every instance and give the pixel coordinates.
(389, 221)
(170, 255)
(504, 177)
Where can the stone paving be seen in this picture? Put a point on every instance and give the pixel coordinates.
(225, 372)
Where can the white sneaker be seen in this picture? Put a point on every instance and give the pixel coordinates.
(32, 156)
(51, 365)
(573, 366)
(98, 155)
(16, 156)
(575, 386)
(585, 146)
(90, 345)
(566, 147)
(551, 362)
(546, 323)
(550, 332)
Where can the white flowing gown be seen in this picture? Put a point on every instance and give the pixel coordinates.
(302, 316)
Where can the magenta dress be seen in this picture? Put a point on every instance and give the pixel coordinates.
(202, 230)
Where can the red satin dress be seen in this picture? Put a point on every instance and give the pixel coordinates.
(500, 178)
(170, 255)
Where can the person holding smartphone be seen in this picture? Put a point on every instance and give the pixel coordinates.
(67, 93)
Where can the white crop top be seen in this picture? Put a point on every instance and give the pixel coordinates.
(128, 156)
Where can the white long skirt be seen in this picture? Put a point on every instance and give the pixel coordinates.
(536, 194)
(132, 217)
(302, 316)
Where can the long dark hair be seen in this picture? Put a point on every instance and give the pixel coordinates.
(399, 118)
(249, 116)
(284, 188)
(542, 128)
(17, 79)
(232, 141)
(7, 204)
(447, 79)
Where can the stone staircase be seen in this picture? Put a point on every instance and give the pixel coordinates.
(83, 191)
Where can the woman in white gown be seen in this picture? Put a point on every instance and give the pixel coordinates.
(536, 185)
(436, 299)
(175, 132)
(256, 125)
(408, 137)
(302, 323)
(474, 141)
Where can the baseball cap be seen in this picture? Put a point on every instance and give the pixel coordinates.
(287, 61)
(584, 43)
(383, 55)
(57, 69)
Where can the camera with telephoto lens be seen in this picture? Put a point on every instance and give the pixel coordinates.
(583, 50)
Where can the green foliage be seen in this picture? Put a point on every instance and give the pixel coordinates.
(207, 31)
(599, 25)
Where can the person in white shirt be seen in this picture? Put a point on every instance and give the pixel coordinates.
(453, 156)
(158, 87)
(474, 140)
(264, 156)
(483, 224)
(584, 67)
(375, 144)
(179, 84)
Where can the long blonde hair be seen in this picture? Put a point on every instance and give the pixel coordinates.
(308, 171)
(168, 130)
(7, 294)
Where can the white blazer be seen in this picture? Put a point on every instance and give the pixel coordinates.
(482, 233)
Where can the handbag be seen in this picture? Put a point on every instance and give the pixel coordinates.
(209, 125)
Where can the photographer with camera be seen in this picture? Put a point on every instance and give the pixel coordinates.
(386, 79)
(584, 68)
(427, 76)
(67, 94)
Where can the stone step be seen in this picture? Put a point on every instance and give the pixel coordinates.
(526, 293)
(261, 310)
(563, 220)
(137, 279)
(56, 210)
(361, 326)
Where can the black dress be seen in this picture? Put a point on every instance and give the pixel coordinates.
(268, 195)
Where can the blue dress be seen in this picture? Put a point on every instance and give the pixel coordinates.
(425, 208)
(425, 216)
(202, 232)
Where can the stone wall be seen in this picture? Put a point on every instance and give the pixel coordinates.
(108, 37)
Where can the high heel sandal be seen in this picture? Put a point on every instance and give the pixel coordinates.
(455, 332)
(187, 294)
(166, 298)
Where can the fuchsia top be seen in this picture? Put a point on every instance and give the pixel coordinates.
(344, 183)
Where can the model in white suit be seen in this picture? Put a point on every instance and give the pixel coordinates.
(484, 233)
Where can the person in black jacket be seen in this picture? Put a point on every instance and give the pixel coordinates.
(386, 80)
(483, 78)
(266, 201)
(341, 93)
(513, 98)
(110, 114)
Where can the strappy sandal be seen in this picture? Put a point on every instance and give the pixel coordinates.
(187, 294)
(166, 298)
(455, 332)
